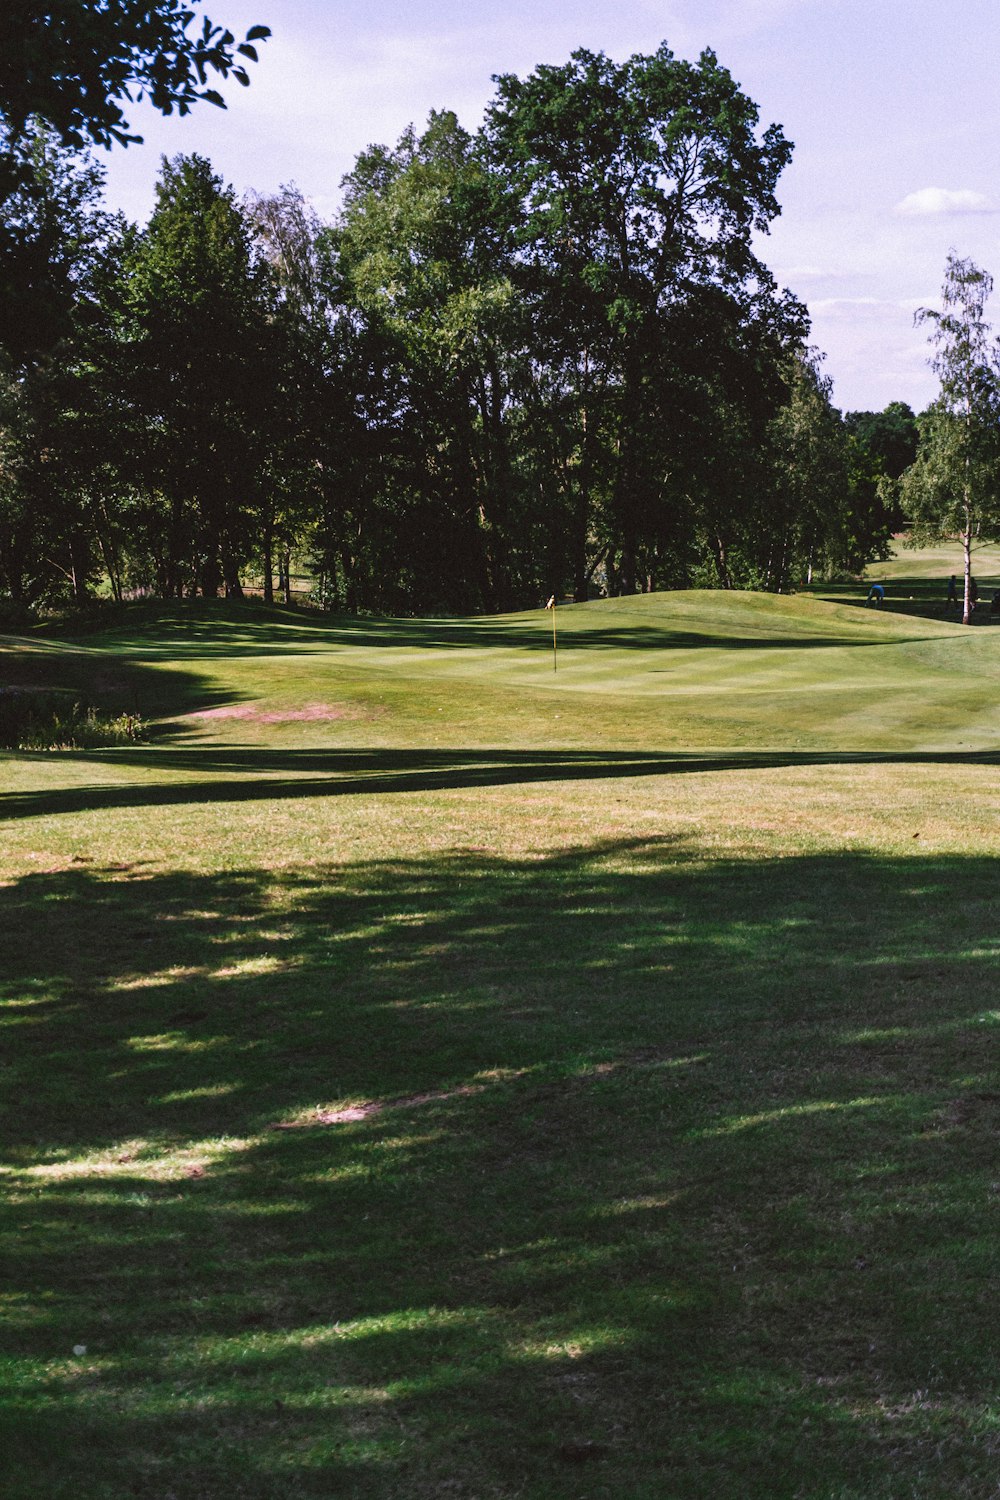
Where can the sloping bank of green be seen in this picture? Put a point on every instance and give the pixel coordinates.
(428, 1073)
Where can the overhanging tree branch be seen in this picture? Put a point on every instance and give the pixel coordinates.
(78, 63)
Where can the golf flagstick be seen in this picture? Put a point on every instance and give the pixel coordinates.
(552, 605)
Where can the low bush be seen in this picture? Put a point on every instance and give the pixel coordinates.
(31, 720)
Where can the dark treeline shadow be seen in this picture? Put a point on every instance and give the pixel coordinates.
(255, 774)
(657, 1177)
(110, 680)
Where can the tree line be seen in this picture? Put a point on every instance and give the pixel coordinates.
(543, 357)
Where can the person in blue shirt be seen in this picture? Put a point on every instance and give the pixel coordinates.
(875, 595)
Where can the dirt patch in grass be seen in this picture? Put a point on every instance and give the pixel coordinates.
(260, 715)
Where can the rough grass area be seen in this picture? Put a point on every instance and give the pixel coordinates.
(507, 1082)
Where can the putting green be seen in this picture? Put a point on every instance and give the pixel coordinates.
(662, 673)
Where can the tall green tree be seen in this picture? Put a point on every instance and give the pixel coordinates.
(318, 442)
(889, 437)
(418, 273)
(824, 514)
(953, 487)
(54, 428)
(639, 184)
(886, 443)
(200, 358)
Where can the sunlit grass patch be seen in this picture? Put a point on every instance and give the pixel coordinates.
(157, 1160)
(787, 1112)
(165, 979)
(175, 1041)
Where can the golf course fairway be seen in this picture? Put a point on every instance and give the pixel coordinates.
(433, 1066)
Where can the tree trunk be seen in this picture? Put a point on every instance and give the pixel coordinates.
(967, 555)
(112, 565)
(268, 566)
(628, 564)
(721, 563)
(231, 577)
(79, 563)
(211, 576)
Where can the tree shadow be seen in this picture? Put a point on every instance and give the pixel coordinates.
(248, 774)
(620, 1171)
(108, 680)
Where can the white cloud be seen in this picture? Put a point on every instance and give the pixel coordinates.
(789, 275)
(933, 200)
(874, 351)
(835, 304)
(884, 306)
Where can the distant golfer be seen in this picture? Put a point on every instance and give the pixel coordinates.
(952, 600)
(875, 595)
(973, 594)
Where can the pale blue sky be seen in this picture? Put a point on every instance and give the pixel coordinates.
(892, 105)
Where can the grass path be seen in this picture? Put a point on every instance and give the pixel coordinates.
(425, 1074)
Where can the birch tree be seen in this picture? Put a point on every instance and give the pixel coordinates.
(952, 487)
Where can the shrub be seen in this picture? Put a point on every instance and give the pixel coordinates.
(31, 720)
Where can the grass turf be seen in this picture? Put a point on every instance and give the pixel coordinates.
(426, 1074)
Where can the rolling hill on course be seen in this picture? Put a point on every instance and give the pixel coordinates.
(664, 673)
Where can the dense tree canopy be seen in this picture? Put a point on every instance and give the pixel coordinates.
(639, 187)
(889, 438)
(54, 431)
(539, 358)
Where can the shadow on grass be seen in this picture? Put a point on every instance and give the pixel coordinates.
(642, 1175)
(109, 680)
(243, 774)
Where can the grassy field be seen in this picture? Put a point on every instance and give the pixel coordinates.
(938, 563)
(916, 581)
(429, 1074)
